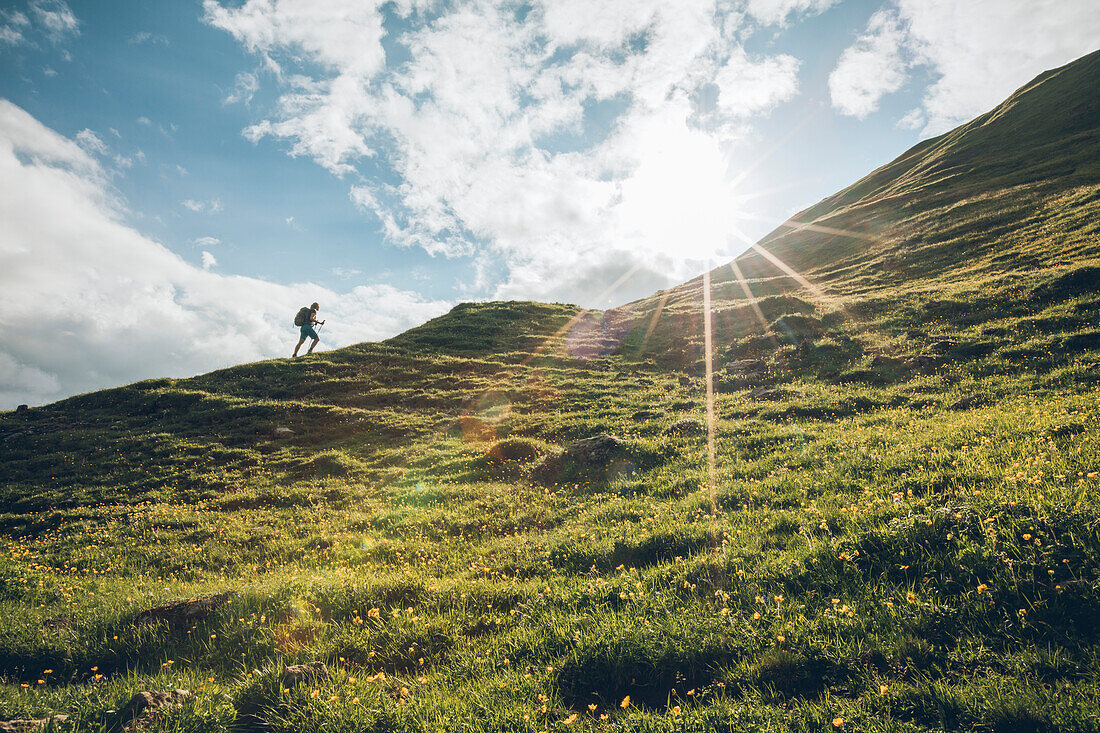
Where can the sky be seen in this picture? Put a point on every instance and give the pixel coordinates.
(178, 177)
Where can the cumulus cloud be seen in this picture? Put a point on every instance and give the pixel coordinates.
(977, 53)
(208, 261)
(484, 131)
(875, 65)
(748, 87)
(94, 303)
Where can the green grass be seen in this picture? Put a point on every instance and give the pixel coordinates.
(904, 533)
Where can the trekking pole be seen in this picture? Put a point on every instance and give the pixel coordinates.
(321, 326)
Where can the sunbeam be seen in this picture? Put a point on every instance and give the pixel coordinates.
(748, 294)
(712, 471)
(653, 320)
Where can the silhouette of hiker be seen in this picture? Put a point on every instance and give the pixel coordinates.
(306, 318)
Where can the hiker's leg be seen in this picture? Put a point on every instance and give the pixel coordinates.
(300, 342)
(315, 341)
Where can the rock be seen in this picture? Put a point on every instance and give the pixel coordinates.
(142, 702)
(282, 432)
(745, 366)
(687, 426)
(514, 449)
(25, 726)
(968, 402)
(184, 613)
(598, 450)
(763, 393)
(141, 706)
(303, 672)
(590, 459)
(22, 408)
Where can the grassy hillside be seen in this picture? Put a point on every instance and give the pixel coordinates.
(904, 534)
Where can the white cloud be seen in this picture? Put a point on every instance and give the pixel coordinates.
(343, 34)
(127, 161)
(244, 88)
(147, 37)
(55, 17)
(208, 261)
(213, 206)
(91, 142)
(470, 128)
(110, 306)
(914, 119)
(207, 241)
(978, 52)
(875, 65)
(15, 23)
(746, 87)
(50, 20)
(345, 273)
(778, 11)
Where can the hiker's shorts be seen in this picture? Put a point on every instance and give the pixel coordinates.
(308, 332)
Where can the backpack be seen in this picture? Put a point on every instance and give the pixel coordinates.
(302, 319)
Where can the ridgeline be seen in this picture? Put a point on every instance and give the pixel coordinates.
(904, 534)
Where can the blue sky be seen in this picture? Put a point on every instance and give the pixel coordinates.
(180, 175)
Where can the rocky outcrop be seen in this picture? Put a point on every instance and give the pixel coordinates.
(141, 707)
(586, 460)
(303, 672)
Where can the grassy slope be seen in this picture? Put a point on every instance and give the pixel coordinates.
(877, 557)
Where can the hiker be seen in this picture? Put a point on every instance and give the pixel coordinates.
(307, 318)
